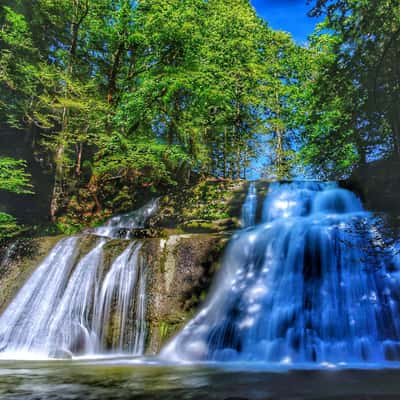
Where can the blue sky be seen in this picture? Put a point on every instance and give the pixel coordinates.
(287, 15)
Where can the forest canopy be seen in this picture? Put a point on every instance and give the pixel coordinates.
(121, 96)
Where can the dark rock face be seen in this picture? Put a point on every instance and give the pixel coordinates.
(28, 209)
(378, 185)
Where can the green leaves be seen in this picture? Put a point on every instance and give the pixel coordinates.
(144, 160)
(352, 103)
(8, 226)
(15, 31)
(133, 95)
(13, 176)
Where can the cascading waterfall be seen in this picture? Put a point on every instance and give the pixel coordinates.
(126, 287)
(249, 207)
(73, 306)
(310, 284)
(121, 226)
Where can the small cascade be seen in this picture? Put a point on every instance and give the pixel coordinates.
(73, 305)
(249, 208)
(310, 284)
(121, 226)
(123, 290)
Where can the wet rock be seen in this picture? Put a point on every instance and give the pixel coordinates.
(181, 268)
(146, 233)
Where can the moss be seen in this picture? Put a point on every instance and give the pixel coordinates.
(163, 260)
(209, 201)
(181, 269)
(162, 331)
(86, 243)
(115, 247)
(199, 226)
(205, 226)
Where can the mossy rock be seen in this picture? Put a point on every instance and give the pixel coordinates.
(207, 226)
(180, 271)
(29, 253)
(209, 200)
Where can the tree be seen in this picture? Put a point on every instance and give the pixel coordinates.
(13, 178)
(354, 102)
(125, 96)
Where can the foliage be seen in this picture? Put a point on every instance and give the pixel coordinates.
(13, 178)
(129, 97)
(351, 106)
(8, 226)
(208, 201)
(143, 159)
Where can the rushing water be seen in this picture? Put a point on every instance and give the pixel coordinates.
(72, 305)
(309, 284)
(306, 306)
(121, 226)
(249, 208)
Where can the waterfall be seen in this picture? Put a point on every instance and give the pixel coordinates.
(126, 286)
(121, 226)
(313, 283)
(249, 207)
(73, 305)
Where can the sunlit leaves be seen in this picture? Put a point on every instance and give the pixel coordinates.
(13, 176)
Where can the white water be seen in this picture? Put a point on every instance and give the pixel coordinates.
(310, 284)
(249, 207)
(124, 289)
(72, 306)
(121, 226)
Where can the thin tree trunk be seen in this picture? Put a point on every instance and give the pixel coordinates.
(58, 188)
(79, 159)
(112, 81)
(238, 161)
(58, 183)
(279, 154)
(225, 152)
(93, 189)
(395, 124)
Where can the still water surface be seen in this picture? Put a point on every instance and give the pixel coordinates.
(125, 379)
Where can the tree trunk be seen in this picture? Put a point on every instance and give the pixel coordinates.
(93, 188)
(57, 194)
(112, 80)
(238, 161)
(58, 188)
(225, 153)
(79, 159)
(279, 155)
(395, 123)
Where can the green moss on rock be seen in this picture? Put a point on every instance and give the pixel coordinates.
(180, 271)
